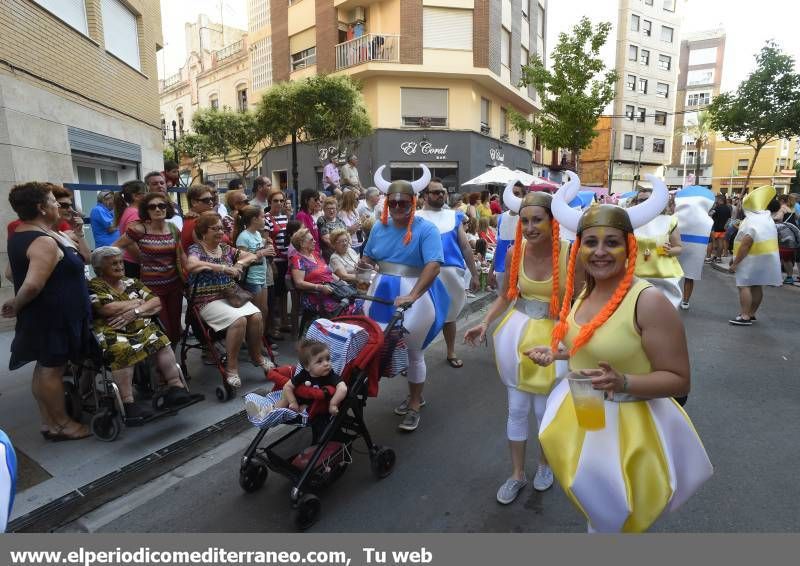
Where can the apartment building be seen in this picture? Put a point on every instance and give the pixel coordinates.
(648, 51)
(699, 79)
(78, 94)
(439, 78)
(774, 166)
(216, 74)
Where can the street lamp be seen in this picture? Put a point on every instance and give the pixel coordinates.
(175, 140)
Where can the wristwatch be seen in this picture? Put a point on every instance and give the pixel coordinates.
(137, 312)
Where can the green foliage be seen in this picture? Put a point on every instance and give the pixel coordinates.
(765, 107)
(701, 132)
(197, 149)
(235, 137)
(574, 92)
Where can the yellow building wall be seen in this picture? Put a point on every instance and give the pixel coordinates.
(766, 171)
(302, 15)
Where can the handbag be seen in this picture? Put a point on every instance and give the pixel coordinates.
(341, 289)
(234, 294)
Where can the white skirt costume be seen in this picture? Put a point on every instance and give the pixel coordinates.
(452, 271)
(761, 265)
(664, 272)
(691, 207)
(646, 461)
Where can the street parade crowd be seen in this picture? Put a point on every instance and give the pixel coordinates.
(585, 325)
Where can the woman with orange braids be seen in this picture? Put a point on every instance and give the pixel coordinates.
(407, 252)
(536, 271)
(645, 458)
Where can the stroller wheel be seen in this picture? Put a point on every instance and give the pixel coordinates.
(105, 426)
(72, 401)
(223, 393)
(307, 511)
(252, 477)
(382, 462)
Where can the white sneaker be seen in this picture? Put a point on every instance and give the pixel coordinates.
(684, 306)
(543, 480)
(509, 490)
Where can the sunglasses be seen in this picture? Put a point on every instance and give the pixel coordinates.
(437, 193)
(206, 200)
(157, 205)
(399, 204)
(216, 228)
(278, 200)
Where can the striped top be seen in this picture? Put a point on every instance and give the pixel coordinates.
(158, 259)
(211, 284)
(276, 226)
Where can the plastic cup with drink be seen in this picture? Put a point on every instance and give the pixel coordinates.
(589, 402)
(364, 277)
(661, 242)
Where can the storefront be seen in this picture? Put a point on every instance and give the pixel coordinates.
(454, 157)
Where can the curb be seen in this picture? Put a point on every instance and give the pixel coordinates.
(724, 269)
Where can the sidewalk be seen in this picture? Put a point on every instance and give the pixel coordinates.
(49, 471)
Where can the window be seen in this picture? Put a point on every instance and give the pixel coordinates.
(486, 110)
(643, 86)
(633, 53)
(446, 28)
(669, 5)
(503, 122)
(164, 127)
(525, 9)
(703, 56)
(658, 145)
(241, 99)
(699, 99)
(744, 164)
(213, 102)
(261, 64)
(666, 34)
(179, 112)
(257, 14)
(627, 142)
(524, 56)
(540, 20)
(644, 57)
(647, 27)
(700, 77)
(662, 90)
(648, 2)
(664, 62)
(630, 82)
(629, 111)
(689, 157)
(639, 143)
(505, 47)
(429, 104)
(661, 118)
(634, 22)
(121, 32)
(641, 112)
(304, 58)
(71, 12)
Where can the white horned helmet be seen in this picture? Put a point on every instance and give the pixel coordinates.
(412, 188)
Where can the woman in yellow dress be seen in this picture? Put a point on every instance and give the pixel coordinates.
(626, 336)
(534, 286)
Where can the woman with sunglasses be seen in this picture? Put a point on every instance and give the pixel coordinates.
(201, 200)
(160, 257)
(275, 220)
(73, 235)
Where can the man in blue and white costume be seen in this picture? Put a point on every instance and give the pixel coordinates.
(506, 230)
(407, 252)
(458, 258)
(692, 205)
(8, 479)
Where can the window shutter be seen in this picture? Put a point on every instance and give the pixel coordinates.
(424, 102)
(121, 32)
(73, 12)
(446, 28)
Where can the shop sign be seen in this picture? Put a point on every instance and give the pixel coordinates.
(326, 152)
(496, 155)
(425, 148)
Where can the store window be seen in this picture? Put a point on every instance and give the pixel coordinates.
(424, 106)
(121, 32)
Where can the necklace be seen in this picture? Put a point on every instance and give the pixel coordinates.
(217, 252)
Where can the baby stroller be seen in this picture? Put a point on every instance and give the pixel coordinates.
(209, 341)
(90, 389)
(328, 456)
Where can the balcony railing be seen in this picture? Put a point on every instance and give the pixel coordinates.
(368, 47)
(228, 51)
(172, 80)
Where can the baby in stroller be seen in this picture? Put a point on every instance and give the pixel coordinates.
(315, 359)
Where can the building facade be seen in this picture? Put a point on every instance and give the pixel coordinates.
(699, 79)
(438, 78)
(774, 166)
(78, 94)
(595, 160)
(648, 50)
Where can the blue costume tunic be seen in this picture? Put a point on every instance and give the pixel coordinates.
(8, 479)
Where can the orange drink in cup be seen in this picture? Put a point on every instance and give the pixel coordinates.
(589, 402)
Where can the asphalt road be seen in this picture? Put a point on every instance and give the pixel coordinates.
(745, 404)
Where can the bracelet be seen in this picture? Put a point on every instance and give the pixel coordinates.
(624, 383)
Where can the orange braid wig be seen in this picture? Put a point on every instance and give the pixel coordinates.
(516, 264)
(385, 213)
(588, 330)
(516, 260)
(554, 308)
(561, 328)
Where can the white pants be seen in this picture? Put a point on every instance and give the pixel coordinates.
(416, 365)
(519, 409)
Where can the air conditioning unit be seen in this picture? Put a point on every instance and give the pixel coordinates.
(358, 14)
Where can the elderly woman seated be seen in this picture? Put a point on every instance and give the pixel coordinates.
(344, 259)
(124, 323)
(214, 266)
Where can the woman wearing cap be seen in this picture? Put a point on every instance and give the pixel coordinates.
(407, 252)
(630, 341)
(102, 220)
(755, 253)
(535, 286)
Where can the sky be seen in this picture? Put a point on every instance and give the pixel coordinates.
(747, 28)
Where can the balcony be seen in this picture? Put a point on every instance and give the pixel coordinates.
(171, 81)
(368, 47)
(228, 51)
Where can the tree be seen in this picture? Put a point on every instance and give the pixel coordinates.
(322, 109)
(574, 92)
(701, 132)
(232, 136)
(198, 150)
(764, 108)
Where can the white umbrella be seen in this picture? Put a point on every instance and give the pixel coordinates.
(526, 178)
(499, 175)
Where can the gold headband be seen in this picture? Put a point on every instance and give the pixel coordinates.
(403, 187)
(605, 215)
(536, 199)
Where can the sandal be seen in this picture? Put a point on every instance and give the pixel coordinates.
(265, 364)
(455, 363)
(233, 380)
(58, 435)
